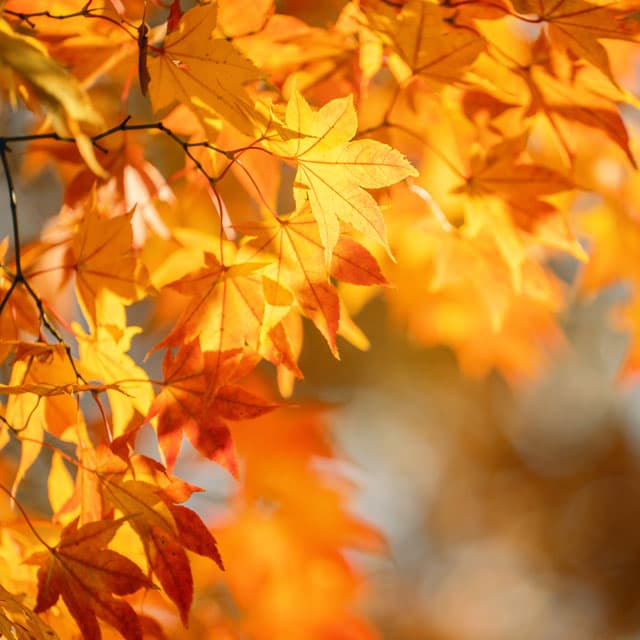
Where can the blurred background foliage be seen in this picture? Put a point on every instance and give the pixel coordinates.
(511, 512)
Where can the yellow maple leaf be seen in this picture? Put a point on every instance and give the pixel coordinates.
(104, 357)
(203, 72)
(17, 620)
(108, 274)
(39, 367)
(334, 170)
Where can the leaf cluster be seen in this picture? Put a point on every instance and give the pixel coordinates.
(230, 175)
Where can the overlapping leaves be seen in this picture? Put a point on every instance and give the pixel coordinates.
(501, 127)
(87, 576)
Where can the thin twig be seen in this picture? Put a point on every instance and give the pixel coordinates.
(85, 12)
(18, 277)
(25, 516)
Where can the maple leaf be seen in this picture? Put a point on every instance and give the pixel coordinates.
(549, 86)
(107, 271)
(225, 309)
(203, 72)
(465, 294)
(198, 399)
(578, 25)
(505, 194)
(292, 536)
(299, 269)
(165, 529)
(426, 39)
(298, 278)
(522, 185)
(104, 357)
(87, 575)
(466, 300)
(32, 409)
(281, 468)
(134, 186)
(333, 170)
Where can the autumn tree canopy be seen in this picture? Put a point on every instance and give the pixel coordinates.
(223, 178)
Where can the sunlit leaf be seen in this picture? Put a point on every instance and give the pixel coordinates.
(87, 575)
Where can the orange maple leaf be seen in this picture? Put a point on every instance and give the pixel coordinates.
(578, 25)
(146, 495)
(298, 270)
(134, 186)
(425, 37)
(166, 530)
(103, 357)
(87, 574)
(504, 197)
(548, 84)
(41, 399)
(198, 399)
(225, 309)
(306, 525)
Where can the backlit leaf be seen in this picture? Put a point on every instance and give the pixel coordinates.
(578, 25)
(203, 72)
(87, 575)
(198, 397)
(104, 263)
(333, 170)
